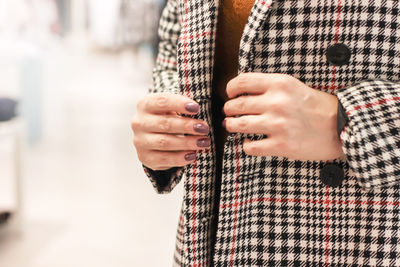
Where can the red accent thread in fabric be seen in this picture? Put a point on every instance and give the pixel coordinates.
(236, 199)
(264, 3)
(369, 105)
(312, 201)
(181, 234)
(196, 36)
(204, 263)
(338, 21)
(166, 61)
(335, 40)
(327, 202)
(326, 87)
(187, 91)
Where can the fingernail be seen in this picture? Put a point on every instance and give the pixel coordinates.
(192, 107)
(190, 156)
(205, 142)
(224, 124)
(201, 128)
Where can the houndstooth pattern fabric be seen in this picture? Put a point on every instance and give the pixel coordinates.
(275, 211)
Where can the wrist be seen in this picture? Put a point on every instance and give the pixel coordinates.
(328, 114)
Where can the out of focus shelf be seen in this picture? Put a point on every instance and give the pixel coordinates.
(11, 178)
(4, 217)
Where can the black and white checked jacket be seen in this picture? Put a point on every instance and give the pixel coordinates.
(275, 211)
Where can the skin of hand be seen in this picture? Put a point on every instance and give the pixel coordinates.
(162, 137)
(299, 121)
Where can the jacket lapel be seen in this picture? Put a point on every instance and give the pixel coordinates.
(257, 18)
(196, 47)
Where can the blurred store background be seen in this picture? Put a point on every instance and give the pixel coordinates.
(72, 192)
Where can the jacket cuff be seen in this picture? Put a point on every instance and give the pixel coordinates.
(342, 118)
(164, 181)
(370, 139)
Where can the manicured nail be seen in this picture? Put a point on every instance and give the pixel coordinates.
(205, 142)
(201, 128)
(190, 156)
(192, 107)
(224, 124)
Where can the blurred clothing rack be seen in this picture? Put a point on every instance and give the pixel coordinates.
(126, 23)
(138, 22)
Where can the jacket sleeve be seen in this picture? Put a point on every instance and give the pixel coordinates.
(165, 79)
(371, 138)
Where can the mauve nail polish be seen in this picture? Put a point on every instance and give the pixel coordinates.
(190, 156)
(224, 124)
(201, 128)
(192, 107)
(205, 142)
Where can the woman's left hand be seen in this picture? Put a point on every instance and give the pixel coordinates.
(300, 122)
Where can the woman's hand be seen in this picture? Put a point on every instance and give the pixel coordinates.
(300, 122)
(164, 139)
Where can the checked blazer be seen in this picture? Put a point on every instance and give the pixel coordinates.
(274, 211)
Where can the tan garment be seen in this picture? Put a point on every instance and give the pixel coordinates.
(233, 15)
(232, 19)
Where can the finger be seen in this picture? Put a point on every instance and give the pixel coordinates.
(169, 142)
(162, 103)
(264, 147)
(250, 83)
(245, 105)
(252, 124)
(173, 124)
(162, 160)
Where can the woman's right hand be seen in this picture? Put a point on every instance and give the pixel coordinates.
(162, 137)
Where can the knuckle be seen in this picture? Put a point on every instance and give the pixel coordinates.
(188, 126)
(242, 81)
(163, 142)
(278, 106)
(165, 124)
(283, 145)
(137, 124)
(136, 142)
(228, 125)
(227, 107)
(189, 143)
(282, 125)
(142, 142)
(134, 124)
(142, 158)
(280, 84)
(240, 104)
(147, 104)
(252, 149)
(140, 104)
(229, 85)
(283, 81)
(242, 123)
(161, 101)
